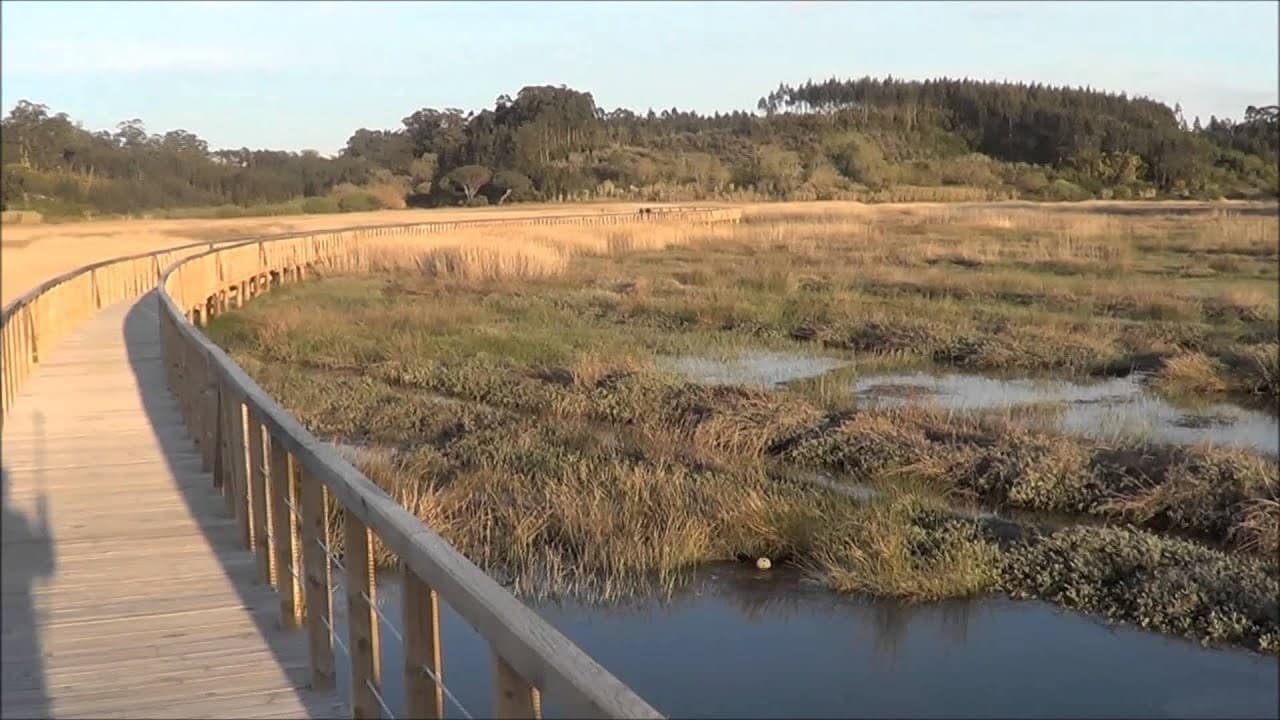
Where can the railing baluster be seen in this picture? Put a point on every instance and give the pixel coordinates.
(513, 696)
(240, 471)
(258, 496)
(208, 416)
(423, 696)
(219, 439)
(319, 614)
(362, 622)
(284, 523)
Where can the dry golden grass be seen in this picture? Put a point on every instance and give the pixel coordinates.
(1192, 372)
(527, 252)
(33, 253)
(1082, 232)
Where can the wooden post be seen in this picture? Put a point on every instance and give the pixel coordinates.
(423, 696)
(6, 367)
(219, 439)
(208, 419)
(513, 696)
(240, 471)
(362, 621)
(258, 494)
(285, 526)
(315, 530)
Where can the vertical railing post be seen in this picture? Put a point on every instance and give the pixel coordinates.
(208, 412)
(240, 470)
(258, 496)
(219, 439)
(513, 696)
(315, 562)
(7, 359)
(284, 499)
(362, 620)
(423, 696)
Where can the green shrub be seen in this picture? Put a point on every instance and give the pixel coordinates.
(228, 211)
(316, 205)
(1163, 584)
(1065, 190)
(359, 201)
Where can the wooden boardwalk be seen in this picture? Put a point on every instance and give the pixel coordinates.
(126, 591)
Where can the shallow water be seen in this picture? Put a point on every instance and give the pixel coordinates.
(756, 367)
(1117, 406)
(743, 643)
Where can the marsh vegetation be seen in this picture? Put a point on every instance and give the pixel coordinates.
(541, 399)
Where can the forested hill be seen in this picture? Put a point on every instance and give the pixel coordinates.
(865, 139)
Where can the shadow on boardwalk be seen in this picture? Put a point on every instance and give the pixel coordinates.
(209, 508)
(28, 559)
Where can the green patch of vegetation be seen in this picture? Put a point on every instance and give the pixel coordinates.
(1162, 584)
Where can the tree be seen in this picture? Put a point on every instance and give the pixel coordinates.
(391, 150)
(509, 184)
(861, 160)
(422, 171)
(442, 133)
(469, 179)
(558, 143)
(771, 169)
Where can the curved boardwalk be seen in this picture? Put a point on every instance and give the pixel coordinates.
(126, 591)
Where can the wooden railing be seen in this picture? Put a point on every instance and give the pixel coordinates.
(35, 322)
(278, 479)
(32, 325)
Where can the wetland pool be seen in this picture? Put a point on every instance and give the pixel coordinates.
(738, 642)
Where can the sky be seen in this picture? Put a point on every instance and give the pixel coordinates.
(295, 75)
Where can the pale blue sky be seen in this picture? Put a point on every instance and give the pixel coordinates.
(304, 75)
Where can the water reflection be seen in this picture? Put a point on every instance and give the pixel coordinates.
(737, 642)
(1115, 407)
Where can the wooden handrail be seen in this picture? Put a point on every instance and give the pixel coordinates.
(277, 477)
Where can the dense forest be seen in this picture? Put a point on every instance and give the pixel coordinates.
(865, 139)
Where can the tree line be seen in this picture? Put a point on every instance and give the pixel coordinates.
(862, 138)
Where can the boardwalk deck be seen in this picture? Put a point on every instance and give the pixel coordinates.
(126, 592)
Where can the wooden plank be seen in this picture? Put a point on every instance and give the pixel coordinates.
(292, 703)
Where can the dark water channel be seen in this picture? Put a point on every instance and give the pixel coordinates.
(737, 642)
